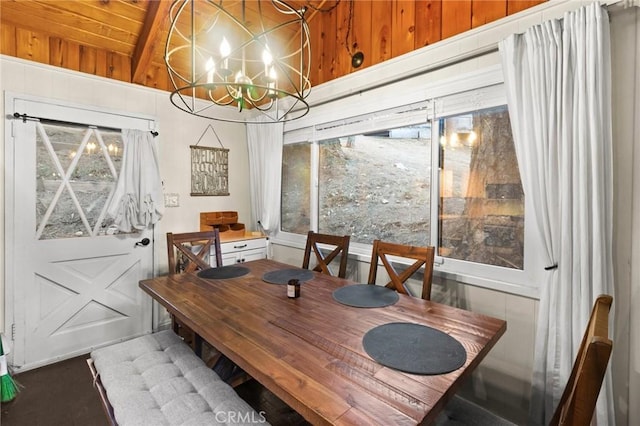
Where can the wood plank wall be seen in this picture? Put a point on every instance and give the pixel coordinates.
(381, 29)
(40, 47)
(384, 29)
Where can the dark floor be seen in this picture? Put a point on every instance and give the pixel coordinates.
(58, 394)
(63, 394)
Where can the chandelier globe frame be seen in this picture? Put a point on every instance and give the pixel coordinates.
(220, 54)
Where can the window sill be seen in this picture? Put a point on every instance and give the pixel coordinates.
(362, 253)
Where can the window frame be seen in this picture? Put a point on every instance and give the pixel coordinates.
(466, 93)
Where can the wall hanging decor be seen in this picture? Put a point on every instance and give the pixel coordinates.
(209, 168)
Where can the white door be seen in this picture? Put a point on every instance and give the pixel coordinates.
(72, 277)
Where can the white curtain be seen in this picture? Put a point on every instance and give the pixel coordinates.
(265, 164)
(137, 202)
(558, 80)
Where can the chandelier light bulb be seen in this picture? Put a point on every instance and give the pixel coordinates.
(211, 68)
(267, 58)
(273, 82)
(225, 51)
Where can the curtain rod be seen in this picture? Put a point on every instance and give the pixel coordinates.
(26, 117)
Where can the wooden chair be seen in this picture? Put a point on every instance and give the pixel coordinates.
(341, 247)
(182, 258)
(423, 256)
(578, 400)
(581, 392)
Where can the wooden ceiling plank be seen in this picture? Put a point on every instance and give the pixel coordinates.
(155, 22)
(112, 13)
(67, 26)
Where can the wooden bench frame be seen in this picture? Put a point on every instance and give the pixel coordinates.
(97, 383)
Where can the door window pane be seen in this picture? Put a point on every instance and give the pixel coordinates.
(296, 195)
(77, 169)
(481, 198)
(377, 186)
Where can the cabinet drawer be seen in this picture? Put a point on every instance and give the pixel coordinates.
(231, 246)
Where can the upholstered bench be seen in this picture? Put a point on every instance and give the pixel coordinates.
(157, 379)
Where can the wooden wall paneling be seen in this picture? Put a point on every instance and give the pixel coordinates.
(456, 17)
(157, 77)
(87, 37)
(342, 60)
(483, 12)
(65, 54)
(88, 61)
(381, 21)
(317, 53)
(403, 27)
(428, 22)
(515, 6)
(360, 37)
(8, 39)
(329, 47)
(101, 65)
(119, 66)
(32, 46)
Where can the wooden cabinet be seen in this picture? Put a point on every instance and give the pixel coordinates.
(241, 250)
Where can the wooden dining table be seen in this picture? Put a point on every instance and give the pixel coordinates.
(308, 350)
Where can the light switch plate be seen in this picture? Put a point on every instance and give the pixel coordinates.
(171, 200)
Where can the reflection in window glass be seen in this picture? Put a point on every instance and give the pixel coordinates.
(296, 196)
(377, 186)
(482, 201)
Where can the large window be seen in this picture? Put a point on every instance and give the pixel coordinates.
(481, 206)
(376, 186)
(444, 174)
(296, 191)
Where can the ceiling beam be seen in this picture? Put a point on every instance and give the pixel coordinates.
(155, 20)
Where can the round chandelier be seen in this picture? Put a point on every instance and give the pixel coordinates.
(253, 56)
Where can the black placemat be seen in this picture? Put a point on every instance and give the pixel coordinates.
(223, 272)
(414, 348)
(282, 276)
(365, 296)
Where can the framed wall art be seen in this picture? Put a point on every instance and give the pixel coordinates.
(209, 169)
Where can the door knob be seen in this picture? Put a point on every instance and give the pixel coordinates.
(143, 242)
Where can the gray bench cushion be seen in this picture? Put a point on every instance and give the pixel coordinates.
(157, 380)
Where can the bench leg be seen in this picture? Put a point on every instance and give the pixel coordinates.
(197, 345)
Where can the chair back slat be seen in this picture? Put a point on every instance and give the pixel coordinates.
(422, 256)
(340, 251)
(578, 401)
(182, 245)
